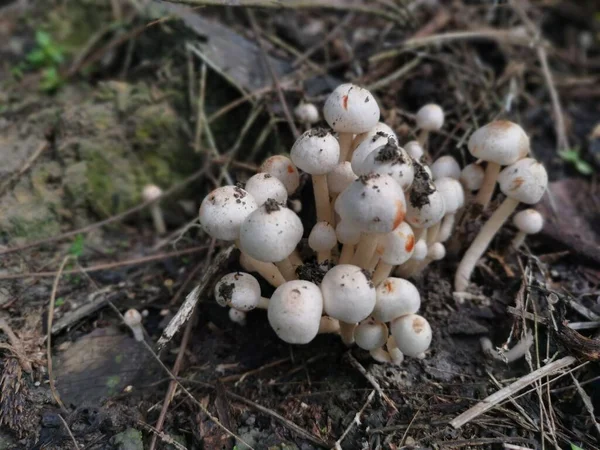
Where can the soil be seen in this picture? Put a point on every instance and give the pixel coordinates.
(133, 84)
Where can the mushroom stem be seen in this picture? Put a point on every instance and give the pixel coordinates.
(157, 218)
(295, 259)
(382, 271)
(321, 198)
(263, 303)
(347, 332)
(365, 250)
(446, 228)
(380, 355)
(268, 271)
(323, 256)
(394, 352)
(373, 263)
(329, 325)
(422, 138)
(484, 195)
(481, 242)
(287, 269)
(432, 233)
(518, 240)
(345, 140)
(347, 254)
(332, 207)
(409, 268)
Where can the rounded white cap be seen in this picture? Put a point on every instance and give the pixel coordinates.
(414, 149)
(371, 334)
(351, 109)
(425, 204)
(151, 192)
(239, 290)
(347, 232)
(430, 117)
(236, 316)
(452, 192)
(379, 127)
(445, 166)
(412, 334)
(529, 221)
(316, 152)
(501, 141)
(223, 211)
(284, 170)
(322, 237)
(295, 310)
(271, 232)
(396, 297)
(375, 203)
(307, 113)
(391, 160)
(397, 246)
(525, 181)
(420, 251)
(366, 146)
(264, 186)
(436, 251)
(340, 177)
(472, 176)
(348, 293)
(132, 317)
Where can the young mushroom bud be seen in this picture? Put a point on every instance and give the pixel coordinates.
(412, 334)
(362, 150)
(322, 239)
(295, 311)
(500, 143)
(371, 334)
(223, 211)
(238, 290)
(429, 118)
(264, 186)
(270, 234)
(528, 221)
(350, 110)
(445, 167)
(394, 248)
(133, 319)
(391, 160)
(454, 199)
(414, 149)
(396, 297)
(317, 152)
(307, 114)
(284, 170)
(524, 181)
(238, 317)
(472, 176)
(152, 193)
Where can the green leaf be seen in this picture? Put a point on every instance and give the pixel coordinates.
(584, 167)
(36, 57)
(575, 447)
(50, 79)
(76, 248)
(569, 155)
(59, 302)
(42, 38)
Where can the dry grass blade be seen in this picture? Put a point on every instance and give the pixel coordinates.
(69, 432)
(371, 379)
(355, 421)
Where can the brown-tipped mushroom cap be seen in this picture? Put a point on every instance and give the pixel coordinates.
(525, 181)
(351, 109)
(284, 170)
(501, 141)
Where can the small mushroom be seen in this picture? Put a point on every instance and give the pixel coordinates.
(429, 118)
(524, 181)
(238, 317)
(133, 319)
(307, 114)
(370, 334)
(391, 160)
(414, 149)
(395, 297)
(340, 178)
(394, 248)
(223, 211)
(152, 193)
(412, 334)
(379, 129)
(454, 199)
(295, 311)
(322, 239)
(528, 221)
(365, 147)
(472, 176)
(425, 204)
(350, 110)
(238, 290)
(317, 152)
(264, 186)
(445, 166)
(284, 170)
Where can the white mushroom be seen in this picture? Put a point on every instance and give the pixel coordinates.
(349, 235)
(379, 128)
(371, 334)
(391, 160)
(366, 147)
(412, 334)
(500, 143)
(350, 110)
(322, 239)
(394, 248)
(396, 297)
(317, 152)
(238, 290)
(295, 311)
(236, 316)
(425, 204)
(307, 114)
(264, 186)
(133, 319)
(414, 149)
(528, 221)
(445, 166)
(454, 199)
(472, 176)
(429, 118)
(223, 211)
(524, 181)
(284, 170)
(152, 193)
(340, 177)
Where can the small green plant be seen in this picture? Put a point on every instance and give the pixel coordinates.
(575, 447)
(76, 248)
(59, 302)
(573, 156)
(46, 56)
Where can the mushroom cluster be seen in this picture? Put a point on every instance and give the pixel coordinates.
(382, 215)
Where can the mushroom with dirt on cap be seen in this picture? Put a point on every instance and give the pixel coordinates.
(366, 146)
(152, 193)
(454, 199)
(528, 221)
(239, 290)
(263, 186)
(524, 181)
(282, 168)
(391, 160)
(429, 118)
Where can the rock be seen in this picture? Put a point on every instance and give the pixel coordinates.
(130, 439)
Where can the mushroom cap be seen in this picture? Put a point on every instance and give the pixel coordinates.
(239, 290)
(525, 181)
(375, 203)
(322, 237)
(223, 211)
(366, 146)
(151, 192)
(420, 251)
(264, 186)
(391, 160)
(271, 232)
(132, 317)
(348, 293)
(396, 297)
(397, 246)
(452, 192)
(445, 166)
(295, 310)
(529, 221)
(282, 168)
(425, 203)
(307, 113)
(430, 117)
(379, 127)
(347, 232)
(412, 334)
(501, 141)
(340, 177)
(472, 176)
(351, 109)
(414, 149)
(236, 316)
(436, 251)
(371, 334)
(316, 152)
